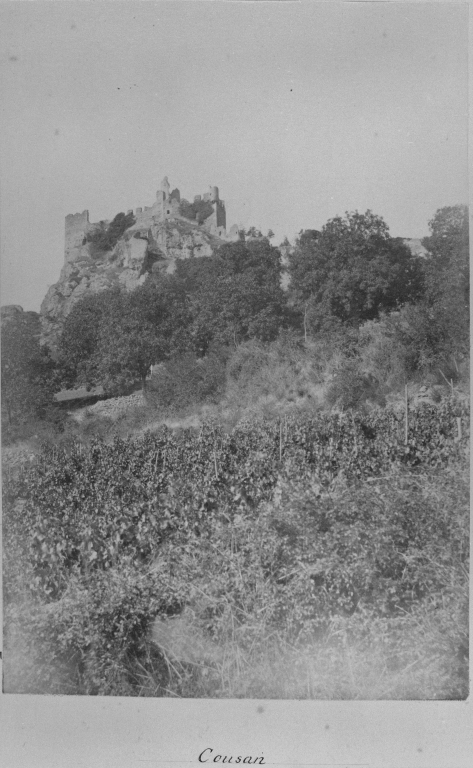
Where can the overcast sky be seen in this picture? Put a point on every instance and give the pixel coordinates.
(296, 111)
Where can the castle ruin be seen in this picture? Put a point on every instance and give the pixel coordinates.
(167, 206)
(166, 209)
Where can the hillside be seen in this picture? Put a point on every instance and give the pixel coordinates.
(127, 249)
(282, 511)
(141, 249)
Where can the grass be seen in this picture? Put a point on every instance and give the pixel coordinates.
(338, 666)
(228, 641)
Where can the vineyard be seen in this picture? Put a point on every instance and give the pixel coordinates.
(324, 557)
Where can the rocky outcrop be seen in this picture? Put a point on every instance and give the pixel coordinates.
(159, 237)
(416, 247)
(13, 313)
(149, 245)
(10, 312)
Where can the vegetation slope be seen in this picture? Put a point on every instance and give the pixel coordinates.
(306, 539)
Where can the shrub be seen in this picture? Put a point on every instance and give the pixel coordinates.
(199, 210)
(186, 380)
(29, 377)
(105, 239)
(93, 638)
(382, 354)
(262, 532)
(278, 375)
(351, 387)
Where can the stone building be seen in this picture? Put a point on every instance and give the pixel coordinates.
(166, 208)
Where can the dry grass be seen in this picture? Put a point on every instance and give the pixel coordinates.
(243, 652)
(410, 661)
(413, 662)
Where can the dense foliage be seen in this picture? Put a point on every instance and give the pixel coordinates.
(233, 296)
(270, 516)
(352, 270)
(199, 210)
(105, 238)
(444, 312)
(315, 554)
(189, 381)
(28, 373)
(113, 338)
(353, 288)
(448, 242)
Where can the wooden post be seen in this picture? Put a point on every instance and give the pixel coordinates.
(459, 427)
(406, 424)
(285, 429)
(280, 439)
(450, 383)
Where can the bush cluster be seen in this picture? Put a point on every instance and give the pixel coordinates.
(264, 529)
(199, 210)
(105, 239)
(187, 380)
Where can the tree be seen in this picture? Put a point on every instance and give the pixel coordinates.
(253, 232)
(106, 239)
(113, 338)
(308, 237)
(199, 209)
(78, 342)
(128, 343)
(448, 268)
(351, 270)
(449, 238)
(28, 371)
(445, 310)
(234, 295)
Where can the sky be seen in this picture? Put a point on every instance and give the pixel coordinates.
(297, 111)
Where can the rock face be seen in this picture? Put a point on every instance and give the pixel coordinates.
(15, 313)
(159, 236)
(151, 243)
(10, 312)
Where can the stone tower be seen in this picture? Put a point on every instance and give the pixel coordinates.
(165, 187)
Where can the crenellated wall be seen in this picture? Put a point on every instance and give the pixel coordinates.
(165, 208)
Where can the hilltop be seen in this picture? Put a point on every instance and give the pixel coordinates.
(125, 250)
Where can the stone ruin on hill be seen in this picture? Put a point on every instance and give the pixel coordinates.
(153, 238)
(167, 208)
(104, 254)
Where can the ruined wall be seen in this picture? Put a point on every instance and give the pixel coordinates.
(217, 221)
(156, 241)
(220, 214)
(234, 233)
(165, 207)
(77, 226)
